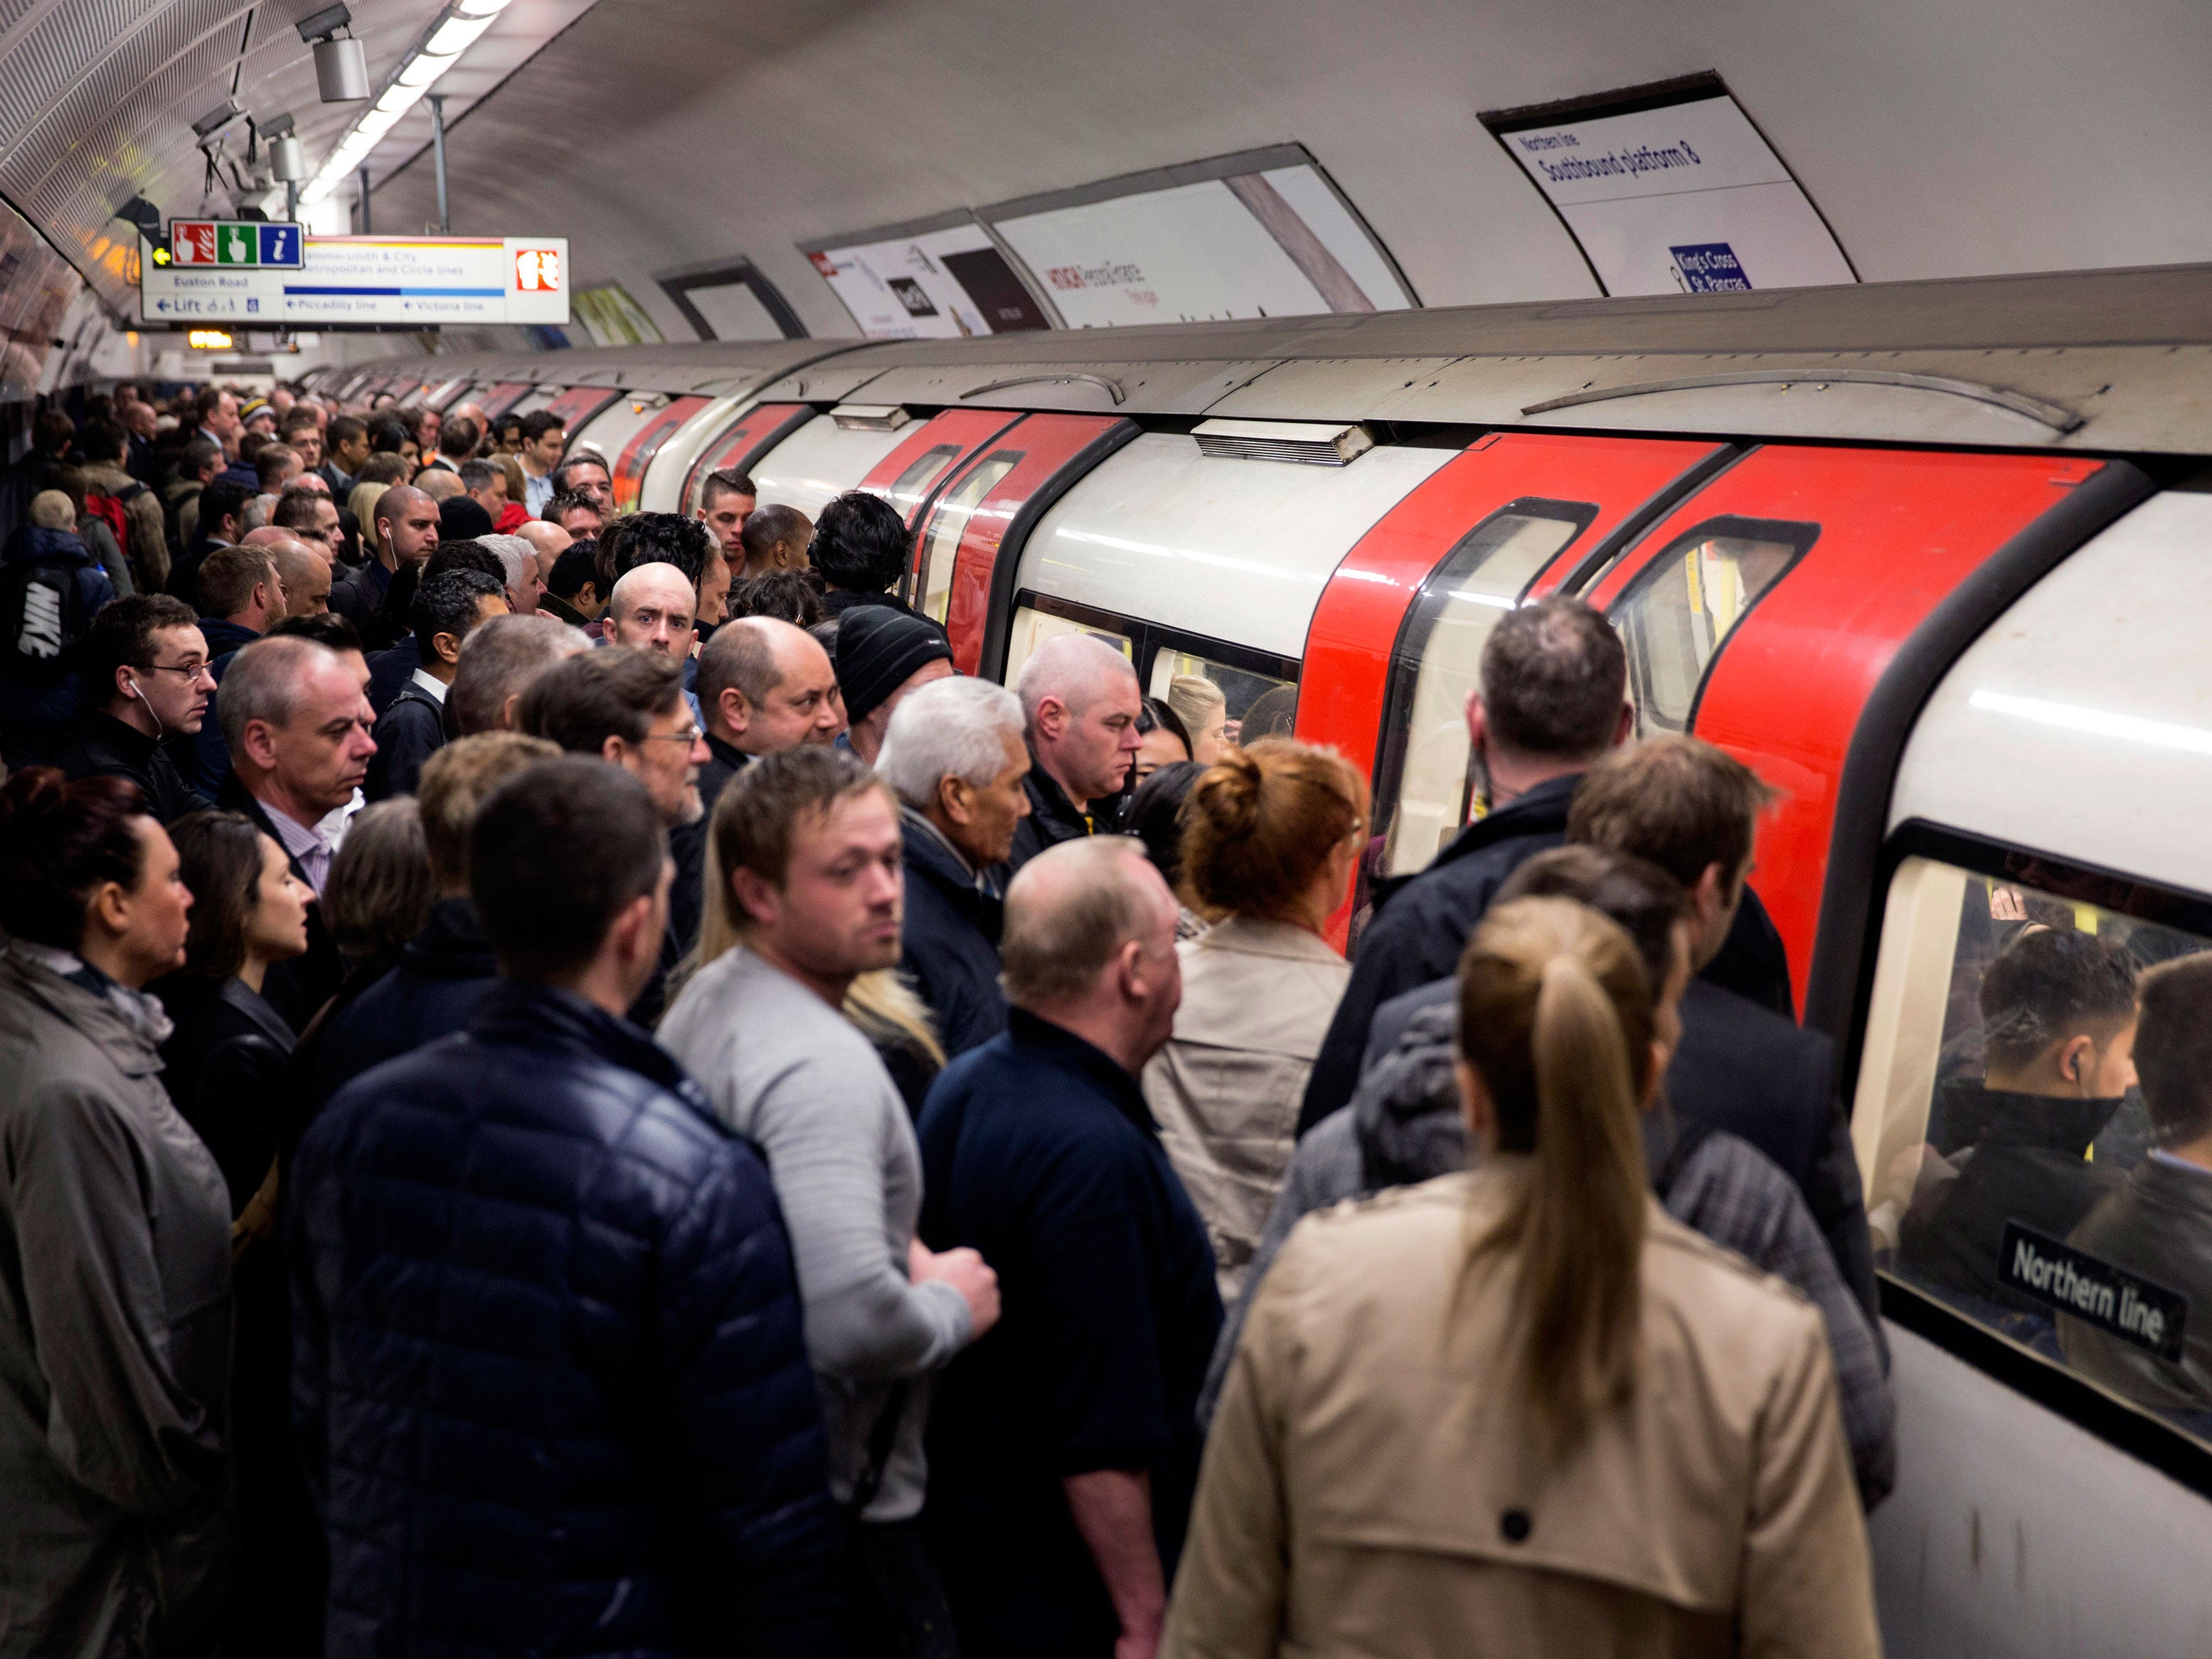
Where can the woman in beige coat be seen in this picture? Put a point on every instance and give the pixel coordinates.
(1519, 1410)
(1270, 835)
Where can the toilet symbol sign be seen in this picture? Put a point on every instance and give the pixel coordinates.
(203, 242)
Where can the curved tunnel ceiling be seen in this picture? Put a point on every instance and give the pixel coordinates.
(1939, 137)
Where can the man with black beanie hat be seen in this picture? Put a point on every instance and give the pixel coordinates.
(462, 519)
(883, 654)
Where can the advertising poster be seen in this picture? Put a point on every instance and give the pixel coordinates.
(419, 282)
(1674, 192)
(939, 280)
(1264, 235)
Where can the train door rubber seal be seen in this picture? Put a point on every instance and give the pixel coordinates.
(1842, 979)
(1664, 500)
(998, 620)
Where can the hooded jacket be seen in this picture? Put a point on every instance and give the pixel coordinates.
(1404, 1126)
(114, 1334)
(39, 699)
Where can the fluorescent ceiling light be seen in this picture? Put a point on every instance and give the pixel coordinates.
(456, 29)
(422, 71)
(455, 36)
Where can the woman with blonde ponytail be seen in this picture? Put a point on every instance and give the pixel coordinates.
(1520, 1409)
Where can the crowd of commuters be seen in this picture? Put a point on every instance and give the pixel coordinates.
(580, 1090)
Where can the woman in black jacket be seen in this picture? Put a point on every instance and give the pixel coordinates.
(224, 1065)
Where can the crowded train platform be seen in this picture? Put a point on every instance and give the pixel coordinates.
(1224, 899)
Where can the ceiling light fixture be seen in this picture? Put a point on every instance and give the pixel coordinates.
(452, 32)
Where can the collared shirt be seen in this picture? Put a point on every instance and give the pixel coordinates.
(920, 821)
(536, 493)
(311, 847)
(425, 680)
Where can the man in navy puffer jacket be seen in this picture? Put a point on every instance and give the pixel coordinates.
(550, 1387)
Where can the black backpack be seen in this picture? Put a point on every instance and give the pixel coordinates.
(43, 618)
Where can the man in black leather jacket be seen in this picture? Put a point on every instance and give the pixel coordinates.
(550, 1373)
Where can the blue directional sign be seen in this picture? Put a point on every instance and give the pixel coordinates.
(280, 244)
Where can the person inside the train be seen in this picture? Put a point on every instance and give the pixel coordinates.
(726, 499)
(1523, 1397)
(1163, 742)
(2059, 1011)
(775, 538)
(1080, 702)
(860, 548)
(807, 844)
(544, 435)
(882, 657)
(586, 474)
(953, 755)
(1198, 704)
(2159, 1225)
(1553, 700)
(1063, 1452)
(538, 1510)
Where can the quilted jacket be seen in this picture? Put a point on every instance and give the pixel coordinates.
(549, 1389)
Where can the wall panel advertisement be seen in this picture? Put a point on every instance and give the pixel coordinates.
(1671, 189)
(934, 279)
(1262, 234)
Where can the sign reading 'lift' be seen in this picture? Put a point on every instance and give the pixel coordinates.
(202, 242)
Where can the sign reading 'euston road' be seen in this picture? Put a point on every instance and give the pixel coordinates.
(415, 282)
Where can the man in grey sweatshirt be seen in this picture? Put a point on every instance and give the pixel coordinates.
(810, 847)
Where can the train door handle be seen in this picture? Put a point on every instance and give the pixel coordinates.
(1111, 388)
(2058, 418)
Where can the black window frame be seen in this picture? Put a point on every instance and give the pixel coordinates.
(729, 273)
(1802, 534)
(1147, 638)
(2135, 1429)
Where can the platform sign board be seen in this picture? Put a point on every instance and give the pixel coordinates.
(1672, 189)
(417, 281)
(268, 245)
(936, 279)
(1263, 233)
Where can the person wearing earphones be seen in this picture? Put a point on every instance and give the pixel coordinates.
(147, 655)
(2058, 1009)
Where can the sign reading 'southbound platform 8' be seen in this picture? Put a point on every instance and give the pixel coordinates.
(2135, 1311)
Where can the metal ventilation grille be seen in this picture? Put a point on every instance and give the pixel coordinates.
(1306, 443)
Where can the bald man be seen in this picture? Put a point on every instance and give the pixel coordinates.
(651, 609)
(305, 575)
(548, 541)
(440, 485)
(1079, 701)
(1063, 1458)
(406, 533)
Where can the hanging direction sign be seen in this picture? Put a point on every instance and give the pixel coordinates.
(418, 282)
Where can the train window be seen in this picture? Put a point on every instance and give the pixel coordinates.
(2015, 1169)
(1427, 786)
(941, 543)
(912, 487)
(1252, 705)
(1680, 610)
(1033, 626)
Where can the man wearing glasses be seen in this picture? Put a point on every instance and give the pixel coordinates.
(148, 654)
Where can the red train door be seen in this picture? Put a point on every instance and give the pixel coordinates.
(990, 506)
(1397, 636)
(910, 476)
(744, 441)
(578, 403)
(645, 443)
(1761, 610)
(502, 397)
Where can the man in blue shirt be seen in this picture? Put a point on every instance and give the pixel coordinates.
(1063, 1446)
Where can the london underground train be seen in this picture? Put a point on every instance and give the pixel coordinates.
(1934, 559)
